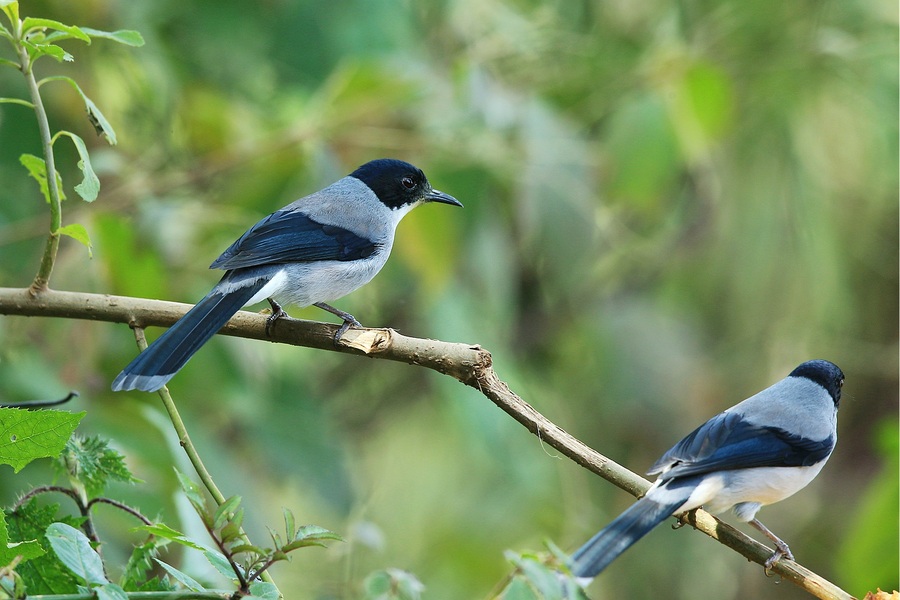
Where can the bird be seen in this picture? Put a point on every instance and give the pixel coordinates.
(311, 252)
(755, 453)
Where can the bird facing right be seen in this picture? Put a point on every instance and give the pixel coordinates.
(758, 452)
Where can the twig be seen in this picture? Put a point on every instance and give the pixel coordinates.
(470, 364)
(185, 441)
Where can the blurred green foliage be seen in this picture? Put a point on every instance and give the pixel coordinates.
(668, 207)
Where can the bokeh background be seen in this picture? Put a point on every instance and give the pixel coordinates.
(668, 206)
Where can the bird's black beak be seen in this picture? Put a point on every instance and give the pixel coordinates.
(438, 196)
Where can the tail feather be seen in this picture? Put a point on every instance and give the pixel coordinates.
(633, 524)
(156, 365)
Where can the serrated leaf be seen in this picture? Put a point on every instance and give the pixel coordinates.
(26, 435)
(38, 23)
(225, 510)
(89, 187)
(91, 463)
(230, 532)
(74, 550)
(221, 564)
(110, 591)
(246, 549)
(314, 532)
(194, 495)
(77, 232)
(129, 37)
(164, 531)
(9, 551)
(182, 578)
(45, 573)
(311, 535)
(264, 590)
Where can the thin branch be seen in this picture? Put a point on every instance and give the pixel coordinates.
(185, 441)
(42, 279)
(469, 364)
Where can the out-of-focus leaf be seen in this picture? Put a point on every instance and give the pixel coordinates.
(392, 584)
(869, 552)
(74, 550)
(26, 435)
(645, 159)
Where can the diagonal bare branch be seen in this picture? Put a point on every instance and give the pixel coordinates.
(469, 364)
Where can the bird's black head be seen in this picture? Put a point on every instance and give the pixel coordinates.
(398, 184)
(826, 374)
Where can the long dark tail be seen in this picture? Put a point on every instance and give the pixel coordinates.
(633, 524)
(155, 366)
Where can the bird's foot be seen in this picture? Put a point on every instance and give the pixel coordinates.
(781, 548)
(349, 320)
(781, 551)
(277, 313)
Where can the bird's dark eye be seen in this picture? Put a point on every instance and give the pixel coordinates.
(408, 183)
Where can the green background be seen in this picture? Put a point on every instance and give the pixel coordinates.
(668, 206)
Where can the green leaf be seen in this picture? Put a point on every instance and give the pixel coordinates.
(194, 496)
(70, 30)
(183, 578)
(225, 511)
(290, 527)
(38, 171)
(92, 463)
(45, 574)
(90, 185)
(101, 125)
(231, 531)
(77, 232)
(35, 51)
(264, 590)
(26, 435)
(110, 591)
(74, 550)
(128, 37)
(140, 563)
(392, 584)
(9, 551)
(164, 531)
(221, 564)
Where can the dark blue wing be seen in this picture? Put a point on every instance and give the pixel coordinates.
(727, 441)
(291, 236)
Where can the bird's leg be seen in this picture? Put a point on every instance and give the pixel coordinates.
(349, 320)
(781, 549)
(277, 313)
